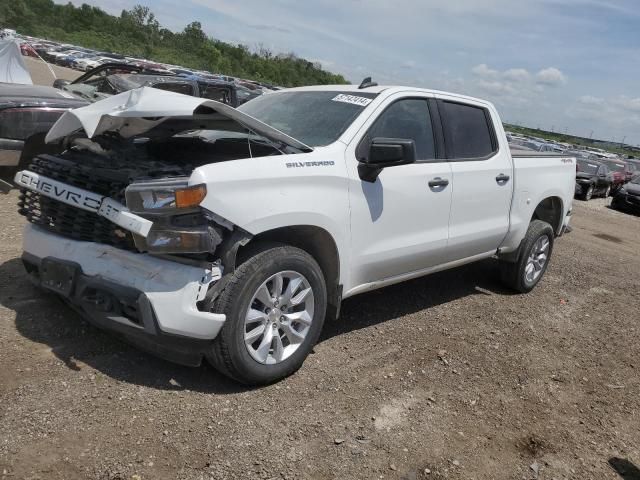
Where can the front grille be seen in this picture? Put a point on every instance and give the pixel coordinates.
(70, 221)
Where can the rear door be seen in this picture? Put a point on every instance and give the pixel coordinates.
(482, 177)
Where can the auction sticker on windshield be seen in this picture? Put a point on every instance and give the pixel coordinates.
(353, 99)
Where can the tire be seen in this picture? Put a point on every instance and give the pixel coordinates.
(514, 274)
(229, 354)
(588, 194)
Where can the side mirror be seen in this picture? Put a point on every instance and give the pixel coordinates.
(59, 83)
(383, 153)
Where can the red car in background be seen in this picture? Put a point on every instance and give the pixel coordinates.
(617, 172)
(27, 50)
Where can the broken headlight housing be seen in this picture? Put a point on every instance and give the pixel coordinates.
(179, 223)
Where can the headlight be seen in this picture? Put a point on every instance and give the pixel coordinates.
(167, 240)
(160, 197)
(179, 225)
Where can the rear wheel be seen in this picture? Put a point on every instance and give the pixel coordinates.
(275, 304)
(533, 258)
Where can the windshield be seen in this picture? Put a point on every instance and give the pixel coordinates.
(587, 167)
(615, 166)
(313, 118)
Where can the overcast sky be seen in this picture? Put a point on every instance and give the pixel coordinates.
(566, 64)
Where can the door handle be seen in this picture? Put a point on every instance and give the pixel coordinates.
(502, 178)
(438, 182)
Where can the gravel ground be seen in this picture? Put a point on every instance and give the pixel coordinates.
(41, 75)
(448, 376)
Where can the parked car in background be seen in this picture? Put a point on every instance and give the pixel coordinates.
(635, 165)
(69, 60)
(26, 114)
(113, 78)
(617, 172)
(27, 50)
(629, 170)
(86, 64)
(628, 197)
(592, 178)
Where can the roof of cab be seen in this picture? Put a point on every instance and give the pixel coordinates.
(379, 89)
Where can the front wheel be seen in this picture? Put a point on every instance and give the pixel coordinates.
(533, 258)
(275, 303)
(589, 193)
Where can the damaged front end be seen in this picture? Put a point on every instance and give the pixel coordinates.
(116, 227)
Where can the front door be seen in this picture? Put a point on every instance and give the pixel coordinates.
(399, 223)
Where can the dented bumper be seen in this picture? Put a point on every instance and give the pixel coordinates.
(136, 294)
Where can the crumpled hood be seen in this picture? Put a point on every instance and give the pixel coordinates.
(137, 111)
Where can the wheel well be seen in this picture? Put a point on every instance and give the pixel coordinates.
(317, 242)
(549, 210)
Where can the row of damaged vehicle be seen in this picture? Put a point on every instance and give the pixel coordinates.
(598, 173)
(609, 177)
(28, 111)
(86, 60)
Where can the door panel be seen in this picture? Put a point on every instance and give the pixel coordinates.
(480, 206)
(482, 174)
(399, 223)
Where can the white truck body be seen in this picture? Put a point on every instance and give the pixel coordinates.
(385, 230)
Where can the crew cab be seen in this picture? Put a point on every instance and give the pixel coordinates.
(196, 230)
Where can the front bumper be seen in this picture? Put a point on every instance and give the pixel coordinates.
(150, 300)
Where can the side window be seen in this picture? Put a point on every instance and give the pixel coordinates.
(467, 131)
(407, 119)
(210, 92)
(183, 88)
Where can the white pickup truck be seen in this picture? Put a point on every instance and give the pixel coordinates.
(198, 230)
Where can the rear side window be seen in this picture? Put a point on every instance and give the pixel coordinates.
(407, 119)
(219, 94)
(183, 88)
(467, 131)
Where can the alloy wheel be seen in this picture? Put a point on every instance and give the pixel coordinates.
(537, 259)
(279, 317)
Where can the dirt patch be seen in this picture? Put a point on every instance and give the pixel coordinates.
(607, 237)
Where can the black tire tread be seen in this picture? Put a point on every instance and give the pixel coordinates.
(219, 354)
(512, 272)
